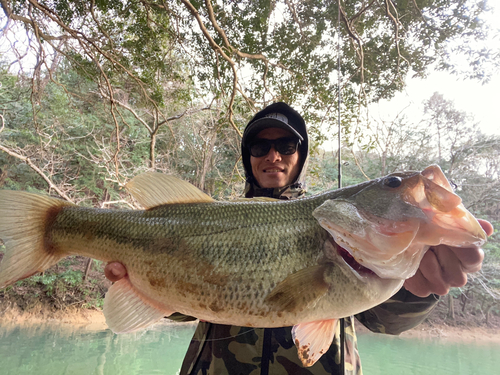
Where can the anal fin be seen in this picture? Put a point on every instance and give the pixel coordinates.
(313, 339)
(126, 310)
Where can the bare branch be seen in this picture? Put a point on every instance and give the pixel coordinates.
(8, 12)
(219, 50)
(37, 170)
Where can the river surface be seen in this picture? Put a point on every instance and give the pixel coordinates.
(51, 349)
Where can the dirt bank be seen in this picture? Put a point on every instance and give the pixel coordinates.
(94, 320)
(429, 330)
(13, 315)
(446, 332)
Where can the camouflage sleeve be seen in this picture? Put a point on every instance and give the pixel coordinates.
(400, 313)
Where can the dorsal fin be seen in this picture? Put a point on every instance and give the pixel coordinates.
(153, 189)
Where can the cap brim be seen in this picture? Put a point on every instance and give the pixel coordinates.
(264, 123)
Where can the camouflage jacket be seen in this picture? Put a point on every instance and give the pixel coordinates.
(217, 349)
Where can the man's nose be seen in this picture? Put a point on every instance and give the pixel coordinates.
(273, 155)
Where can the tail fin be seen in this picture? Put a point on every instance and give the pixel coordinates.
(23, 223)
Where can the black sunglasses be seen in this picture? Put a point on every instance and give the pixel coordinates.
(285, 146)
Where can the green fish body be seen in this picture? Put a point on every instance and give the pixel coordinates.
(252, 262)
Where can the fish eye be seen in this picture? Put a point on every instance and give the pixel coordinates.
(393, 181)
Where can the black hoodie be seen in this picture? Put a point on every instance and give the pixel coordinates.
(278, 115)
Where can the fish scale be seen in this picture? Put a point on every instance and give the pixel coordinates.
(202, 253)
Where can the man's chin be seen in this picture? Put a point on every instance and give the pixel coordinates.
(267, 184)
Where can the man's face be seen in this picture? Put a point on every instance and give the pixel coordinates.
(275, 170)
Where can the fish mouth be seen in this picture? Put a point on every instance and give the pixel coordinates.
(384, 247)
(353, 264)
(340, 255)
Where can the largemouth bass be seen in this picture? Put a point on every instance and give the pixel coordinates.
(252, 262)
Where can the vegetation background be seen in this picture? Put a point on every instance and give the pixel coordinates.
(94, 93)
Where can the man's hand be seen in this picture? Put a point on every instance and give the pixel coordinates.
(443, 267)
(115, 271)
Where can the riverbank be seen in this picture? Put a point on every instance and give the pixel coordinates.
(93, 320)
(445, 332)
(429, 330)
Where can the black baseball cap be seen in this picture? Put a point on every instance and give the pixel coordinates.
(277, 115)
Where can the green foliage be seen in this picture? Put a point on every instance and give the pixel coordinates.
(492, 247)
(59, 282)
(129, 66)
(63, 286)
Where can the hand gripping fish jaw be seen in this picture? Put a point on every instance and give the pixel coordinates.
(389, 225)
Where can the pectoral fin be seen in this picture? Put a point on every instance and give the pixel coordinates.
(299, 290)
(126, 310)
(313, 339)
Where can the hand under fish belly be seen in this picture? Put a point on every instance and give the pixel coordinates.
(260, 263)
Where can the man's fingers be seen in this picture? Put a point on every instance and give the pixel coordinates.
(471, 258)
(439, 270)
(487, 226)
(428, 278)
(452, 268)
(418, 285)
(432, 272)
(443, 267)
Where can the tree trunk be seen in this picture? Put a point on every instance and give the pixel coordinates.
(488, 314)
(451, 308)
(152, 151)
(207, 159)
(87, 269)
(464, 299)
(384, 162)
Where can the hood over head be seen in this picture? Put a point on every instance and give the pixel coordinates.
(277, 115)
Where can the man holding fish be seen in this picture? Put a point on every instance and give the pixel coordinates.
(260, 262)
(274, 151)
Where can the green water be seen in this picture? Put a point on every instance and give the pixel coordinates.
(62, 350)
(392, 355)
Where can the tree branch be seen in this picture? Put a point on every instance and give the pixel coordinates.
(37, 170)
(8, 12)
(219, 50)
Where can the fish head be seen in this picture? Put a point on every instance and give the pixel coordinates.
(389, 223)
